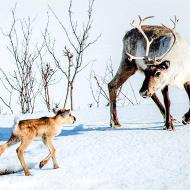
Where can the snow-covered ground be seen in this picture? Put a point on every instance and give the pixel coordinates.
(92, 156)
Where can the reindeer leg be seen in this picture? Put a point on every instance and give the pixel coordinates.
(186, 117)
(160, 106)
(125, 70)
(52, 151)
(158, 103)
(24, 144)
(168, 121)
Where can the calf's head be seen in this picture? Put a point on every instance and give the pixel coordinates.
(65, 116)
(156, 77)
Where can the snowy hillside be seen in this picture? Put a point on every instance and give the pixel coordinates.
(140, 155)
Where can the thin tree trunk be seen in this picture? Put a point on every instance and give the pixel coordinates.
(71, 96)
(66, 97)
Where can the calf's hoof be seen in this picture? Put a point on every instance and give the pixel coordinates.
(42, 163)
(55, 167)
(28, 174)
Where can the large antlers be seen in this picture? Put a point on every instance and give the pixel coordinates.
(175, 21)
(148, 42)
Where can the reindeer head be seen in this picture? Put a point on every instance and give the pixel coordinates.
(65, 116)
(156, 77)
(156, 71)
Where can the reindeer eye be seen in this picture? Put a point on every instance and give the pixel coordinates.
(157, 74)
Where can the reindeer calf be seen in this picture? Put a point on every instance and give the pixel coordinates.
(45, 128)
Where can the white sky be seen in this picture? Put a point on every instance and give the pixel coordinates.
(111, 19)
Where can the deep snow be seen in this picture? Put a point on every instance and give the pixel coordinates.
(92, 156)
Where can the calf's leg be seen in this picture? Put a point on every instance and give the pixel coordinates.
(24, 144)
(52, 151)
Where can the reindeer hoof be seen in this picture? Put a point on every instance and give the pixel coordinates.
(42, 163)
(28, 174)
(55, 167)
(169, 127)
(185, 120)
(173, 119)
(169, 124)
(115, 125)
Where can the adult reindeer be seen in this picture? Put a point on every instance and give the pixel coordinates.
(141, 46)
(173, 70)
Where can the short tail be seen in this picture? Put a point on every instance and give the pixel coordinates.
(15, 125)
(16, 120)
(13, 140)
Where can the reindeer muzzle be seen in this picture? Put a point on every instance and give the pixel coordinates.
(145, 93)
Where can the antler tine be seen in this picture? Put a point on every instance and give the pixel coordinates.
(148, 42)
(175, 21)
(140, 20)
(146, 18)
(131, 57)
(132, 23)
(171, 30)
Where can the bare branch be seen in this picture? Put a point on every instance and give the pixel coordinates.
(63, 27)
(22, 79)
(79, 42)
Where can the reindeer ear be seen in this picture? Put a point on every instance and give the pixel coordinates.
(59, 112)
(164, 65)
(55, 110)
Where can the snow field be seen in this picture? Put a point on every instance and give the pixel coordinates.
(92, 156)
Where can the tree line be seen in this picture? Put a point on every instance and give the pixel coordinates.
(31, 74)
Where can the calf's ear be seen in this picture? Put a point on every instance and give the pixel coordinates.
(164, 65)
(55, 110)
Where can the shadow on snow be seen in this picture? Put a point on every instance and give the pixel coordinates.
(80, 129)
(5, 133)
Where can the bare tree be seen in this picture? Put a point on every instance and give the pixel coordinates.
(22, 80)
(98, 86)
(78, 43)
(69, 91)
(9, 90)
(47, 75)
(99, 91)
(96, 94)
